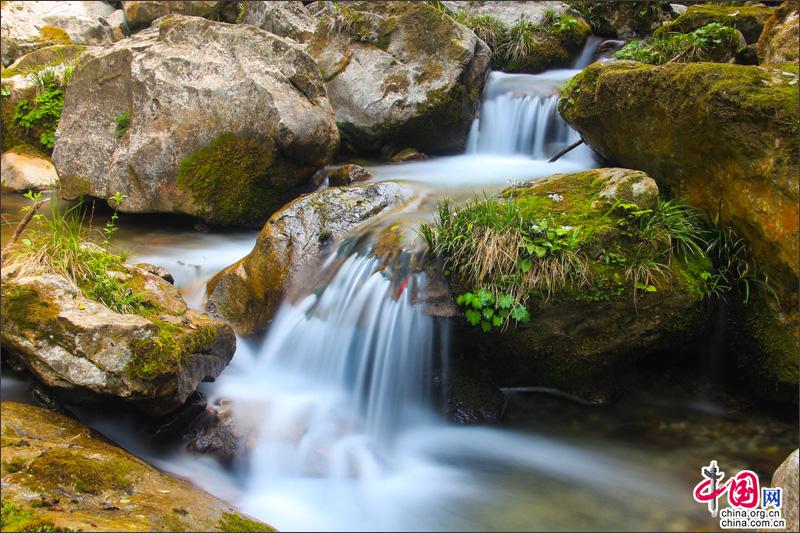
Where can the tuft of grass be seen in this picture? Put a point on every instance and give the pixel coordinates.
(64, 243)
(122, 123)
(701, 44)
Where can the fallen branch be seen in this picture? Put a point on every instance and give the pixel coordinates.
(21, 227)
(565, 150)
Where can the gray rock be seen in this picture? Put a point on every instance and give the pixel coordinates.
(625, 185)
(399, 72)
(156, 270)
(251, 101)
(509, 13)
(86, 352)
(248, 292)
(285, 18)
(22, 23)
(787, 476)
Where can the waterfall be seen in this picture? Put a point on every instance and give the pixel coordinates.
(367, 350)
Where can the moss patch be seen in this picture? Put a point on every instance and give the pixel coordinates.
(64, 468)
(234, 522)
(166, 349)
(235, 180)
(54, 35)
(38, 60)
(15, 518)
(26, 308)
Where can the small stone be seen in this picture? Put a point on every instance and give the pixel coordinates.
(347, 175)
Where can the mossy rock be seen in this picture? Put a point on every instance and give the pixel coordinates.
(86, 352)
(584, 335)
(778, 41)
(716, 135)
(623, 19)
(38, 60)
(748, 19)
(65, 472)
(12, 133)
(430, 72)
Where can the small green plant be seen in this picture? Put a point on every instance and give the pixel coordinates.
(43, 113)
(5, 91)
(122, 122)
(347, 21)
(488, 28)
(488, 311)
(698, 45)
(15, 518)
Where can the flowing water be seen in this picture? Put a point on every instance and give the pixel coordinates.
(341, 396)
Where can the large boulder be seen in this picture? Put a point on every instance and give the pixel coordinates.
(585, 336)
(787, 476)
(248, 292)
(140, 14)
(399, 74)
(285, 18)
(24, 170)
(224, 122)
(778, 42)
(748, 19)
(716, 135)
(59, 475)
(86, 352)
(27, 26)
(722, 137)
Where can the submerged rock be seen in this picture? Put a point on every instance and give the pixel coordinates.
(399, 72)
(248, 292)
(87, 352)
(408, 154)
(59, 475)
(224, 122)
(787, 476)
(27, 26)
(285, 18)
(24, 170)
(778, 42)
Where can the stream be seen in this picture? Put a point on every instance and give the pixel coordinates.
(347, 432)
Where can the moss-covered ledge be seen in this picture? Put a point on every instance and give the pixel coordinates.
(59, 475)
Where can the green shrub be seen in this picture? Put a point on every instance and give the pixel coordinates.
(42, 114)
(15, 518)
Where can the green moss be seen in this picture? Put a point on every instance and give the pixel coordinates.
(166, 348)
(748, 19)
(122, 123)
(66, 469)
(54, 35)
(26, 308)
(639, 16)
(235, 180)
(47, 57)
(15, 518)
(234, 522)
